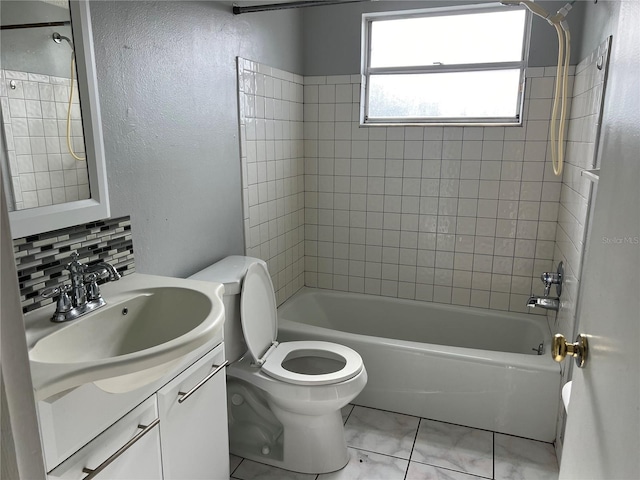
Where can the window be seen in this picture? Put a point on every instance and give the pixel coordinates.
(459, 65)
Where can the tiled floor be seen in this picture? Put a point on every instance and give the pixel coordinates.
(389, 446)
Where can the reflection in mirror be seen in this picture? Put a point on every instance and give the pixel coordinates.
(43, 146)
(43, 155)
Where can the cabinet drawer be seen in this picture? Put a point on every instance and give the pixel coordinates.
(128, 449)
(193, 422)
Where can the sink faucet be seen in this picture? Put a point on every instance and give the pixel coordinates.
(548, 303)
(83, 294)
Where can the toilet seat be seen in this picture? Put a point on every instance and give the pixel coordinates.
(273, 365)
(258, 312)
(258, 315)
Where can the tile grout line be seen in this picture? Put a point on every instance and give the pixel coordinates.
(413, 446)
(360, 449)
(493, 454)
(448, 469)
(237, 466)
(349, 415)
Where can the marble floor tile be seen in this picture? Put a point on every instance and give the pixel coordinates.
(454, 447)
(250, 470)
(521, 459)
(420, 471)
(346, 411)
(369, 466)
(381, 432)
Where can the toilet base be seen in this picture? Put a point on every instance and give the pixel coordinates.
(262, 431)
(310, 444)
(313, 444)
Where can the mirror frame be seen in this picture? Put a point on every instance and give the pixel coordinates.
(36, 220)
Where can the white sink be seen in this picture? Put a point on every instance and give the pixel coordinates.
(147, 326)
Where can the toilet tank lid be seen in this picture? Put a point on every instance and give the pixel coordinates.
(229, 271)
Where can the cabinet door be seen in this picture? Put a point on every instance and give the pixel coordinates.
(193, 422)
(129, 449)
(140, 461)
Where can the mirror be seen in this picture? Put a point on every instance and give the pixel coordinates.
(52, 152)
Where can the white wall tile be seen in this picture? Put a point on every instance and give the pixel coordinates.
(469, 210)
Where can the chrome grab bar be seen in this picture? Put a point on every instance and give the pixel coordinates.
(185, 395)
(93, 472)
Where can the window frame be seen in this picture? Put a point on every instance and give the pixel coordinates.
(366, 70)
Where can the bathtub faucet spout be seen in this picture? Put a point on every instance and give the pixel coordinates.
(548, 303)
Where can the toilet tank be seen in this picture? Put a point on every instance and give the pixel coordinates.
(230, 271)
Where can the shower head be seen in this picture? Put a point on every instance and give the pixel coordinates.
(58, 39)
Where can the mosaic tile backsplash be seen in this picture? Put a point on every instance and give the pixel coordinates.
(41, 259)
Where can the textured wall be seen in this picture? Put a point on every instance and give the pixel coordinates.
(167, 80)
(598, 21)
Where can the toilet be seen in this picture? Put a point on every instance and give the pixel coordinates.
(283, 399)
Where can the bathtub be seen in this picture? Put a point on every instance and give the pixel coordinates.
(462, 365)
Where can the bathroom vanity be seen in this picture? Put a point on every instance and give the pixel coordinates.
(168, 420)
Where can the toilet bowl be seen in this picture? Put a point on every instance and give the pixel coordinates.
(284, 399)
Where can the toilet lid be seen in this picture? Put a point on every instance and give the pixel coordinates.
(258, 313)
(273, 367)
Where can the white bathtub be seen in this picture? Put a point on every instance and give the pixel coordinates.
(462, 365)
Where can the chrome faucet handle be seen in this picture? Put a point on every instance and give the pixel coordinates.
(63, 303)
(50, 292)
(553, 278)
(93, 289)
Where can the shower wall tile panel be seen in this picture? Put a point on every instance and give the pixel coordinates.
(457, 215)
(34, 121)
(576, 198)
(272, 159)
(41, 259)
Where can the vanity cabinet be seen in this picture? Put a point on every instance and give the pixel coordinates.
(193, 422)
(178, 430)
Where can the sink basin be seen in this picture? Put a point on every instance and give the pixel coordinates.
(145, 321)
(147, 326)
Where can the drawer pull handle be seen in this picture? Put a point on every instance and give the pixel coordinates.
(93, 472)
(185, 395)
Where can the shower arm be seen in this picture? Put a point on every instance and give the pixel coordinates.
(557, 19)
